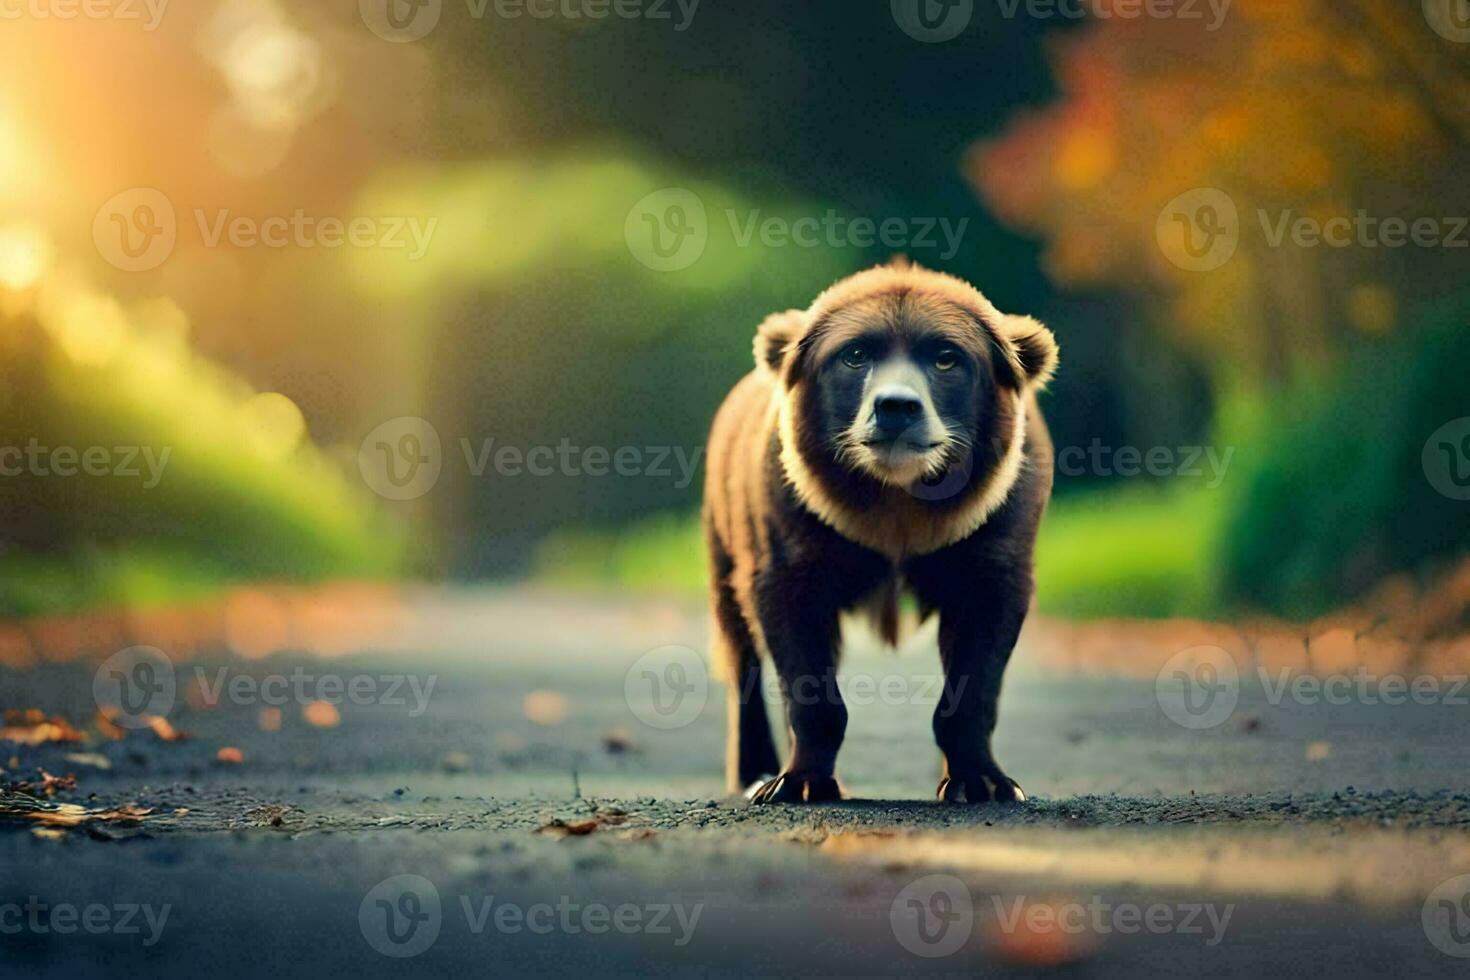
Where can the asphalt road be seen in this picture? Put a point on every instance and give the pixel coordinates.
(518, 784)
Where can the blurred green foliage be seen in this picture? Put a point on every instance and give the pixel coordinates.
(1335, 494)
(206, 481)
(1142, 552)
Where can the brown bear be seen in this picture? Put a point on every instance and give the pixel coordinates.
(889, 438)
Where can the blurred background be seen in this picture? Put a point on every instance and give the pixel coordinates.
(264, 260)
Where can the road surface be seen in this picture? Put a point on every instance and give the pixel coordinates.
(516, 783)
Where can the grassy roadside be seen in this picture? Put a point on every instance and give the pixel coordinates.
(1144, 552)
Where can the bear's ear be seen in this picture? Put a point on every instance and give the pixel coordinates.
(775, 338)
(1036, 348)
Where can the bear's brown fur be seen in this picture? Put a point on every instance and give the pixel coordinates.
(815, 503)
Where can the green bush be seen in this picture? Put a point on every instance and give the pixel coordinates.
(236, 491)
(1334, 493)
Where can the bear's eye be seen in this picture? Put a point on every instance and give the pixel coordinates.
(856, 356)
(946, 359)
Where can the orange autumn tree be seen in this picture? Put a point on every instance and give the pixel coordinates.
(1291, 109)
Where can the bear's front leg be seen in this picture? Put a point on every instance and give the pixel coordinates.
(977, 632)
(802, 638)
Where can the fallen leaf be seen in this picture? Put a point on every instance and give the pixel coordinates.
(547, 708)
(19, 806)
(164, 730)
(561, 828)
(94, 759)
(1035, 937)
(32, 727)
(1317, 751)
(269, 719)
(109, 729)
(322, 714)
(50, 784)
(230, 754)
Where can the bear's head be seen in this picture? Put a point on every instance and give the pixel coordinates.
(904, 397)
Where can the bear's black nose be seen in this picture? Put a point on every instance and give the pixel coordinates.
(896, 411)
